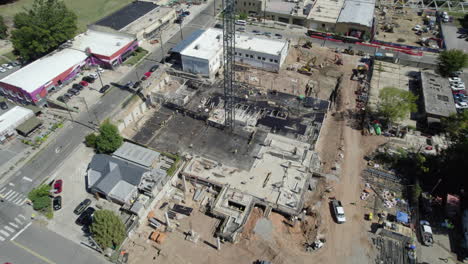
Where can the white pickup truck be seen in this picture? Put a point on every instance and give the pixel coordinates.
(339, 211)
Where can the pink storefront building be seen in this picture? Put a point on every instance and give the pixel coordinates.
(32, 83)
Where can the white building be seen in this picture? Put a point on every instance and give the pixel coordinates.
(202, 53)
(11, 119)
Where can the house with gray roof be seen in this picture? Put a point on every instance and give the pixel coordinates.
(114, 179)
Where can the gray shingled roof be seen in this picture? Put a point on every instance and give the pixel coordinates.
(112, 171)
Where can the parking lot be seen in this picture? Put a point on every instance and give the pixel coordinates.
(8, 68)
(89, 94)
(72, 172)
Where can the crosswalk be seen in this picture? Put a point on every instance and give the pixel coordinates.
(11, 229)
(12, 196)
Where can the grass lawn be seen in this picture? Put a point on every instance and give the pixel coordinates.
(88, 11)
(136, 57)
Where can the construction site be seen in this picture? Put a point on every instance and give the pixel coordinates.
(260, 189)
(407, 26)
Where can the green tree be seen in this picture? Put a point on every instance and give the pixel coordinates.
(456, 125)
(464, 21)
(91, 140)
(40, 197)
(395, 104)
(107, 229)
(109, 138)
(450, 61)
(243, 16)
(42, 28)
(3, 29)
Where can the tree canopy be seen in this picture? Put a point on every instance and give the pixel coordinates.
(42, 28)
(456, 125)
(3, 29)
(107, 229)
(451, 61)
(108, 140)
(40, 197)
(395, 104)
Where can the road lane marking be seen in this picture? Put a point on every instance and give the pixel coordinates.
(8, 192)
(21, 231)
(11, 184)
(32, 252)
(14, 225)
(9, 229)
(22, 202)
(19, 221)
(2, 239)
(5, 233)
(27, 179)
(13, 197)
(2, 190)
(22, 216)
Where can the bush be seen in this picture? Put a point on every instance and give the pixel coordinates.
(90, 140)
(40, 197)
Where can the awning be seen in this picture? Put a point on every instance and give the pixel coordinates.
(402, 217)
(28, 126)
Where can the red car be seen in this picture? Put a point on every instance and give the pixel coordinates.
(84, 83)
(58, 186)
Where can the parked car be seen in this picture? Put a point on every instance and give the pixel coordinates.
(457, 87)
(255, 31)
(77, 86)
(135, 85)
(4, 65)
(88, 79)
(58, 186)
(154, 68)
(461, 105)
(9, 67)
(3, 105)
(84, 83)
(104, 88)
(86, 217)
(73, 91)
(57, 203)
(455, 79)
(186, 13)
(426, 233)
(417, 28)
(93, 75)
(100, 70)
(218, 26)
(278, 35)
(338, 211)
(241, 29)
(63, 99)
(268, 34)
(82, 206)
(2, 69)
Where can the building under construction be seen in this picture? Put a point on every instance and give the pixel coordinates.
(266, 161)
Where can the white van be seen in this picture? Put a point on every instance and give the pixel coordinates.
(241, 22)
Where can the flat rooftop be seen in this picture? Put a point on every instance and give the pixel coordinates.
(208, 43)
(137, 154)
(438, 98)
(205, 45)
(101, 43)
(126, 15)
(284, 7)
(359, 12)
(43, 70)
(151, 20)
(326, 11)
(261, 45)
(13, 117)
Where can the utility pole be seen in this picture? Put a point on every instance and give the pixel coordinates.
(162, 46)
(99, 75)
(68, 110)
(181, 34)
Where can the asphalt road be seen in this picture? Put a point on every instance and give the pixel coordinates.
(36, 244)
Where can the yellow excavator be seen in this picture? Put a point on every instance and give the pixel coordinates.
(307, 69)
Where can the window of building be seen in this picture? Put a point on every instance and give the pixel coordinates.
(235, 53)
(250, 4)
(251, 56)
(276, 61)
(263, 58)
(247, 55)
(245, 4)
(323, 25)
(271, 60)
(259, 58)
(240, 54)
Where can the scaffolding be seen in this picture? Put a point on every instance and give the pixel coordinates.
(228, 56)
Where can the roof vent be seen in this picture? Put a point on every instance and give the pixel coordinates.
(118, 44)
(197, 47)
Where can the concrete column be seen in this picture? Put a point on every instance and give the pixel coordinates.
(218, 243)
